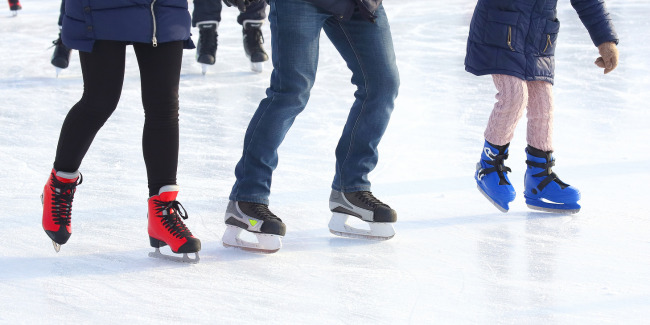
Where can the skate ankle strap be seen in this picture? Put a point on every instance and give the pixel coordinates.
(548, 172)
(499, 166)
(541, 165)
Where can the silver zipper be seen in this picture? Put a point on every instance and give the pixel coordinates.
(154, 40)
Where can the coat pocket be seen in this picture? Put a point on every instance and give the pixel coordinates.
(501, 30)
(549, 37)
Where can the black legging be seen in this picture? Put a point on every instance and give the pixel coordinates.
(103, 74)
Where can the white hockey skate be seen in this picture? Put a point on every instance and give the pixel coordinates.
(363, 205)
(257, 219)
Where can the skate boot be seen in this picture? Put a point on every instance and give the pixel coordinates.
(57, 206)
(206, 51)
(257, 219)
(363, 205)
(491, 178)
(166, 227)
(544, 190)
(14, 6)
(253, 40)
(61, 55)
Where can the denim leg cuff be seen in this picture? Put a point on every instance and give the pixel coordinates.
(249, 199)
(352, 189)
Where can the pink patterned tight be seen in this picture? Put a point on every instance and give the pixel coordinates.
(513, 96)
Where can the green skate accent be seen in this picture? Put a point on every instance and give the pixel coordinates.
(253, 222)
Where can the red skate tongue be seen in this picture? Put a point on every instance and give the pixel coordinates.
(168, 193)
(66, 177)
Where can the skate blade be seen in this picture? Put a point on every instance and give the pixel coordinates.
(14, 13)
(58, 71)
(257, 67)
(557, 211)
(378, 230)
(359, 236)
(204, 68)
(267, 244)
(57, 247)
(185, 259)
(502, 209)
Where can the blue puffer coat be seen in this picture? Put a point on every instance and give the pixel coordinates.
(141, 21)
(518, 38)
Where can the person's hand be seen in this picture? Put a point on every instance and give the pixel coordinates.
(608, 56)
(240, 4)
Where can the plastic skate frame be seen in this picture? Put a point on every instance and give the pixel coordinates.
(204, 68)
(267, 244)
(378, 230)
(491, 200)
(184, 259)
(559, 208)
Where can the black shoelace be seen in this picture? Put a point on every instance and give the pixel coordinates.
(262, 212)
(60, 47)
(254, 38)
(173, 220)
(208, 40)
(370, 200)
(62, 199)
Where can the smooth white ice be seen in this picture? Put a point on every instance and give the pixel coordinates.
(455, 258)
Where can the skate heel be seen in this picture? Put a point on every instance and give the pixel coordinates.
(156, 243)
(378, 230)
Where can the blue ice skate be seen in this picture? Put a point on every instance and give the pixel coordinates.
(491, 178)
(544, 190)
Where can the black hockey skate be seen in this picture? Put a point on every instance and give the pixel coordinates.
(61, 55)
(253, 40)
(14, 6)
(206, 51)
(365, 206)
(257, 219)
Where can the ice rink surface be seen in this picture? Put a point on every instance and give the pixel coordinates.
(455, 258)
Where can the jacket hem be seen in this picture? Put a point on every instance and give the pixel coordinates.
(508, 72)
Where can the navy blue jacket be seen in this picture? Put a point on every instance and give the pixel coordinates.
(343, 9)
(518, 38)
(86, 21)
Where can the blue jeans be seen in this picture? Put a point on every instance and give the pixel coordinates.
(368, 51)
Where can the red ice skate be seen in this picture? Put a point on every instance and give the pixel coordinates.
(166, 227)
(14, 6)
(57, 205)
